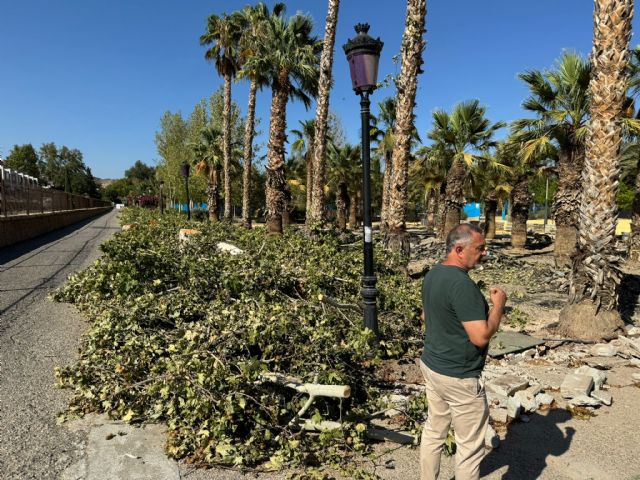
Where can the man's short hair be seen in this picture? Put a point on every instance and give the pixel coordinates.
(461, 234)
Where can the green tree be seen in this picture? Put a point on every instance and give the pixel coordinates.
(24, 159)
(465, 136)
(254, 22)
(595, 275)
(560, 102)
(223, 34)
(411, 51)
(289, 58)
(315, 214)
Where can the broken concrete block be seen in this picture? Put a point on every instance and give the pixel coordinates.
(513, 407)
(498, 415)
(491, 438)
(602, 396)
(584, 401)
(603, 350)
(533, 390)
(599, 377)
(527, 401)
(635, 362)
(544, 399)
(635, 376)
(507, 385)
(575, 385)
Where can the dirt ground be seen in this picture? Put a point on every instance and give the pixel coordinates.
(552, 443)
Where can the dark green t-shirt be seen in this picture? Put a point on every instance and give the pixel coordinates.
(450, 297)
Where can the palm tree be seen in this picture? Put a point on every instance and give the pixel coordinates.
(288, 57)
(252, 20)
(345, 169)
(316, 213)
(412, 46)
(223, 34)
(465, 135)
(560, 102)
(595, 275)
(382, 127)
(208, 162)
(304, 145)
(427, 175)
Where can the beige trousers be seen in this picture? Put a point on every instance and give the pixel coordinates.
(457, 402)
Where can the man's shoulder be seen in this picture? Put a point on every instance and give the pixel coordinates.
(448, 272)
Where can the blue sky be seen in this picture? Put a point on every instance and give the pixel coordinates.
(97, 75)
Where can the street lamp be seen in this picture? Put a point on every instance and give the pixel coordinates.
(184, 171)
(161, 197)
(363, 54)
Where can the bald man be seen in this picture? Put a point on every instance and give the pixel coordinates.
(459, 325)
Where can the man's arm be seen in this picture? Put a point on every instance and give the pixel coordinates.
(481, 331)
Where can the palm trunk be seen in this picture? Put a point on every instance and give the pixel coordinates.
(341, 205)
(309, 204)
(322, 111)
(432, 207)
(490, 209)
(566, 203)
(520, 199)
(412, 47)
(276, 182)
(441, 212)
(226, 146)
(386, 181)
(454, 199)
(353, 210)
(595, 275)
(213, 195)
(248, 154)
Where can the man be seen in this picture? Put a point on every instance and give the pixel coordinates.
(459, 326)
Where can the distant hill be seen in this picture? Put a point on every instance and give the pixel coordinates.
(105, 182)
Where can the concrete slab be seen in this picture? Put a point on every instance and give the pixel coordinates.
(507, 385)
(511, 342)
(575, 385)
(118, 451)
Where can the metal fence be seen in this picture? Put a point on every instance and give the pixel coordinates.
(20, 194)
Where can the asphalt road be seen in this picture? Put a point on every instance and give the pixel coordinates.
(36, 335)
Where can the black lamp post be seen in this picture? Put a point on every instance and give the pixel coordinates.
(184, 171)
(363, 54)
(161, 197)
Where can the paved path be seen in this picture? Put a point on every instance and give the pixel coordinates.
(36, 335)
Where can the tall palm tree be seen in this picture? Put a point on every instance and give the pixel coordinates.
(427, 174)
(345, 170)
(316, 213)
(208, 162)
(252, 20)
(223, 35)
(412, 46)
(304, 145)
(559, 99)
(289, 59)
(382, 126)
(465, 135)
(595, 275)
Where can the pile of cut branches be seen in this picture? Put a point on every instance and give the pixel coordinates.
(180, 332)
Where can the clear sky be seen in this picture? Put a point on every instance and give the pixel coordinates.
(97, 75)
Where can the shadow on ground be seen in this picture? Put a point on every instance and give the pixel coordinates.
(526, 447)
